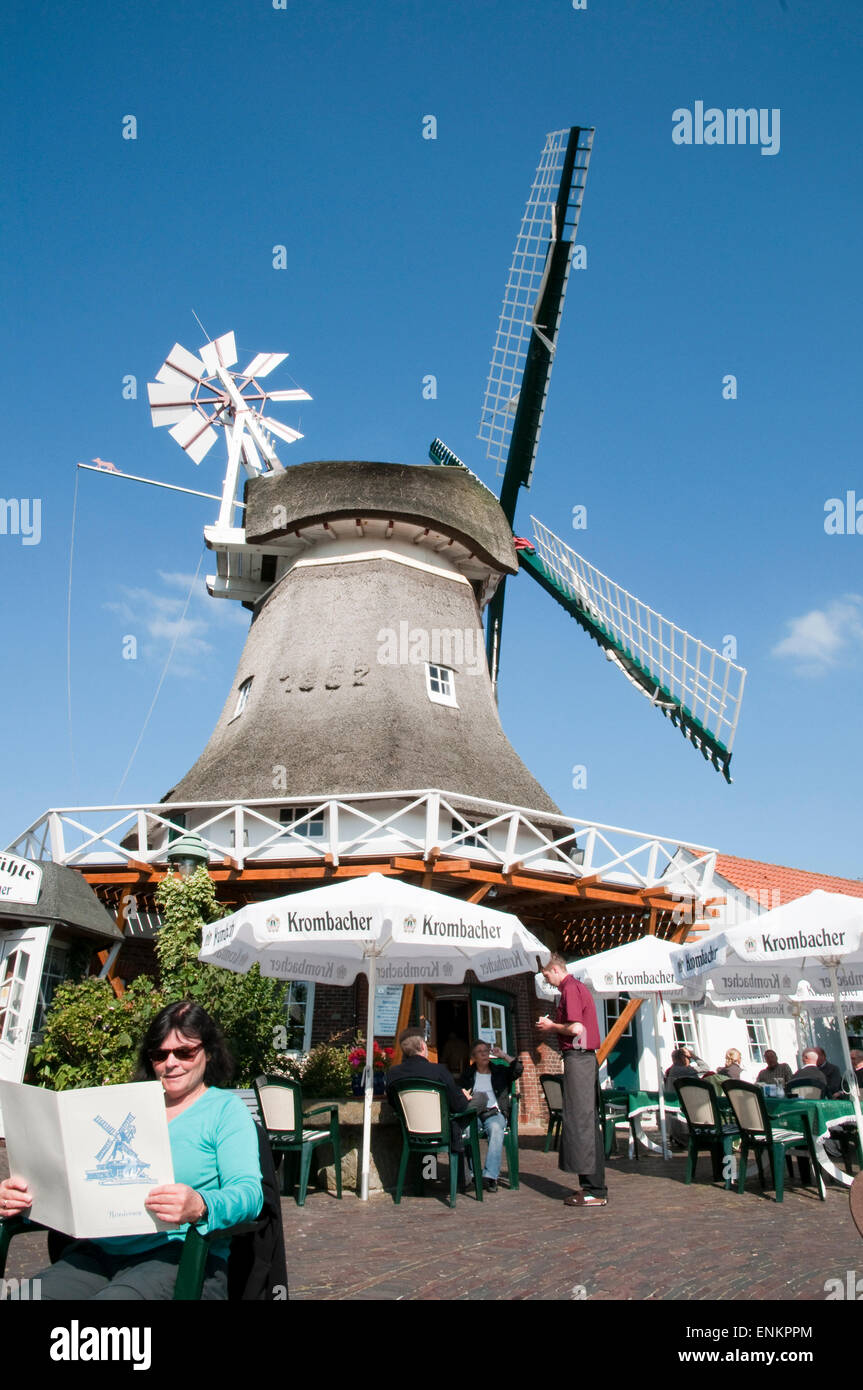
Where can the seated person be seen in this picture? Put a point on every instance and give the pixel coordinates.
(810, 1073)
(832, 1074)
(774, 1072)
(680, 1068)
(214, 1147)
(491, 1081)
(416, 1066)
(732, 1069)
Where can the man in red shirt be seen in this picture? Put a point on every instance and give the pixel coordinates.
(582, 1150)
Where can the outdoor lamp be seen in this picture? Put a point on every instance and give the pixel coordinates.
(186, 853)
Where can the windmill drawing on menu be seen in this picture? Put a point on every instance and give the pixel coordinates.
(117, 1162)
(327, 556)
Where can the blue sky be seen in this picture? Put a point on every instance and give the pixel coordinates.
(302, 127)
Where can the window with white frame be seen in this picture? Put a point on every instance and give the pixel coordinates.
(440, 684)
(299, 1007)
(756, 1033)
(462, 828)
(312, 825)
(242, 698)
(613, 1009)
(492, 1020)
(683, 1025)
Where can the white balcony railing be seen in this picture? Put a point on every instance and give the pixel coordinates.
(371, 826)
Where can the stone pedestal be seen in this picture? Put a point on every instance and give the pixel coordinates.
(386, 1146)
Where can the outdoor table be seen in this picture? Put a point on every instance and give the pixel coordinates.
(818, 1115)
(638, 1105)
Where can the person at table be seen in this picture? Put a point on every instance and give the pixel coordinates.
(582, 1151)
(680, 1068)
(214, 1148)
(732, 1069)
(774, 1073)
(492, 1080)
(415, 1066)
(832, 1074)
(857, 1064)
(810, 1073)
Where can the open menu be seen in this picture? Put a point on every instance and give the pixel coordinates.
(89, 1156)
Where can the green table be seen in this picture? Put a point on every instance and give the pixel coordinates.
(796, 1113)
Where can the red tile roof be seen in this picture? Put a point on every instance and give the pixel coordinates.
(774, 884)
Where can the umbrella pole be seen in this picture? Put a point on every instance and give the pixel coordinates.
(849, 1069)
(660, 1079)
(368, 1075)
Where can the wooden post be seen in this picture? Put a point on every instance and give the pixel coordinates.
(404, 1015)
(620, 1024)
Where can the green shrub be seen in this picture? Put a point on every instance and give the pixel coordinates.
(326, 1071)
(92, 1039)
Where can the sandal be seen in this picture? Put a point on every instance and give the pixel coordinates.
(584, 1199)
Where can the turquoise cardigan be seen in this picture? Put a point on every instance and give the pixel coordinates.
(214, 1148)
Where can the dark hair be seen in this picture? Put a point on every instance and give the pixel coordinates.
(678, 1056)
(192, 1021)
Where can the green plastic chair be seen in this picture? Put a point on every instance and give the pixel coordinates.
(190, 1270)
(424, 1115)
(708, 1129)
(758, 1133)
(510, 1139)
(611, 1114)
(289, 1132)
(552, 1088)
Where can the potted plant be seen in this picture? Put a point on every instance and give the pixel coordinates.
(381, 1059)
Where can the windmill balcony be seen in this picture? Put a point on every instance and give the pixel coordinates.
(429, 824)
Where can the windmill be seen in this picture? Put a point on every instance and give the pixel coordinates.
(117, 1161)
(332, 555)
(698, 688)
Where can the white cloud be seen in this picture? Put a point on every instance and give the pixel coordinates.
(824, 638)
(157, 620)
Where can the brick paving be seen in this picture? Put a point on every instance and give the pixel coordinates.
(657, 1239)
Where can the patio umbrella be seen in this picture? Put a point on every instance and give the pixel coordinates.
(817, 941)
(375, 926)
(643, 970)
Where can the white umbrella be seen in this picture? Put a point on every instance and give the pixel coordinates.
(817, 940)
(375, 926)
(642, 969)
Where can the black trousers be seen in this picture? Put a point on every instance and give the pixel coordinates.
(582, 1149)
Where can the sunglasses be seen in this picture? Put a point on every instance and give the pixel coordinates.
(182, 1054)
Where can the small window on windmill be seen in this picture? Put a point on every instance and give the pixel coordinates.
(242, 698)
(440, 684)
(313, 828)
(268, 569)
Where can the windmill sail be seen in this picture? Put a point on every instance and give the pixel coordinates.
(696, 687)
(524, 348)
(523, 353)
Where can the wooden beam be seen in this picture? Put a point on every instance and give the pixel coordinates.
(620, 1024)
(404, 1015)
(479, 893)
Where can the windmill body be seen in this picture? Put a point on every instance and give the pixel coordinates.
(364, 668)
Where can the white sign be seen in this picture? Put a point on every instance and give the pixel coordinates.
(388, 999)
(20, 881)
(90, 1156)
